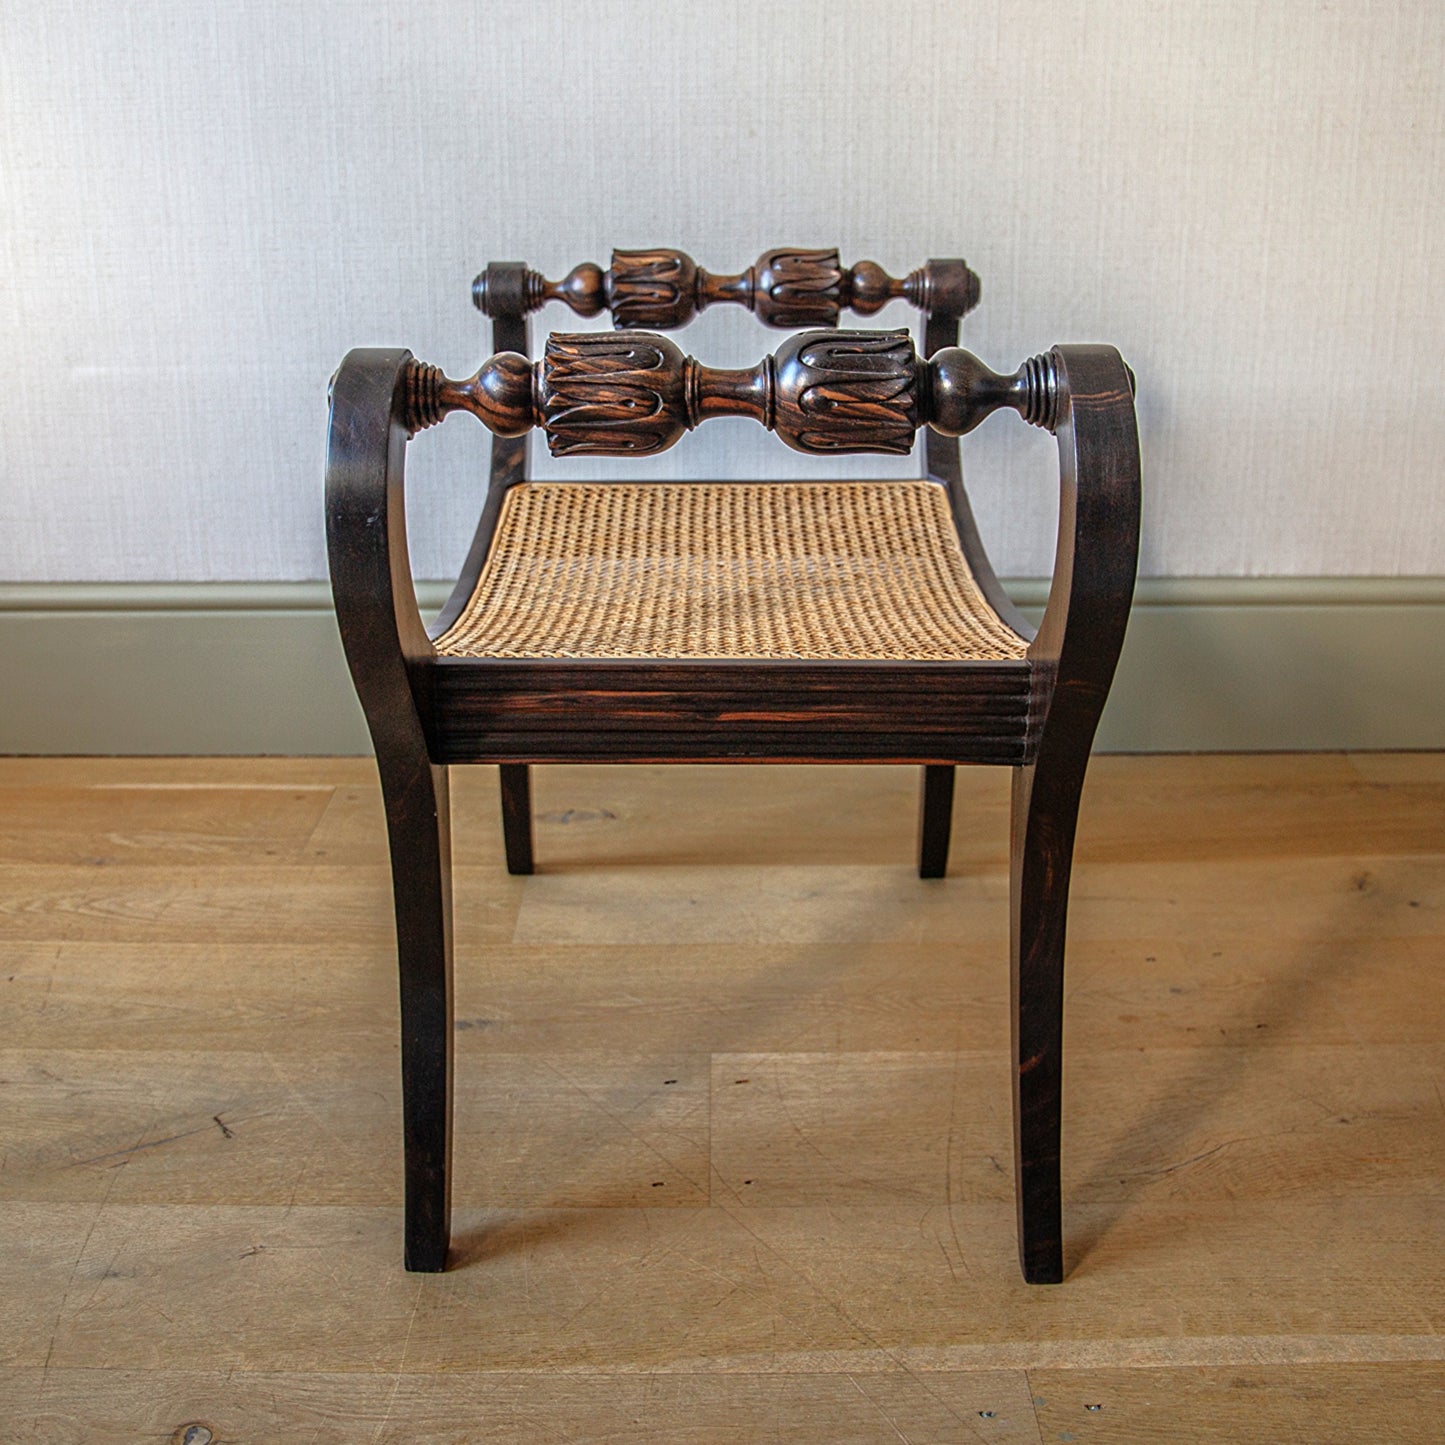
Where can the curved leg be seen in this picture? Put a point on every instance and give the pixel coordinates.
(385, 642)
(517, 816)
(1074, 655)
(1045, 810)
(419, 828)
(935, 819)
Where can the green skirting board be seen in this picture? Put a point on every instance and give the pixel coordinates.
(1210, 664)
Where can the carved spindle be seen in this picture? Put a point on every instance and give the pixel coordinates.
(789, 287)
(605, 393)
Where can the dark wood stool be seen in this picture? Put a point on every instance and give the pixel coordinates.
(732, 621)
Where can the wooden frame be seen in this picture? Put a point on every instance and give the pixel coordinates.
(1036, 714)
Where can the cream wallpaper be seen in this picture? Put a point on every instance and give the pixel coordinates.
(202, 207)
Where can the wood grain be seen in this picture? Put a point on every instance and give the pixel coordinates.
(198, 903)
(733, 1117)
(496, 710)
(584, 1130)
(1295, 1405)
(1299, 1406)
(866, 1408)
(716, 1290)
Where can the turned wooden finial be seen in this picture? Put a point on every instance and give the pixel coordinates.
(602, 393)
(788, 287)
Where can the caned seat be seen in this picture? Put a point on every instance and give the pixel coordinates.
(726, 621)
(844, 571)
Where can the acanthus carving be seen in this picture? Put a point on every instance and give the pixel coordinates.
(798, 288)
(612, 395)
(651, 288)
(848, 391)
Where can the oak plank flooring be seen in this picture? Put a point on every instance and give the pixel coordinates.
(943, 1408)
(1302, 1405)
(668, 1129)
(727, 1288)
(194, 903)
(733, 1137)
(721, 997)
(244, 1128)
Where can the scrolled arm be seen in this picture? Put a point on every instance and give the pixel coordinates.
(381, 627)
(634, 393)
(1096, 559)
(787, 287)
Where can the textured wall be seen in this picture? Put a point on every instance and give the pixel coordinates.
(205, 206)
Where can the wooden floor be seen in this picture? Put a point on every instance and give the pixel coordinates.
(733, 1152)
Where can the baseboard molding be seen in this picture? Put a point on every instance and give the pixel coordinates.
(1210, 664)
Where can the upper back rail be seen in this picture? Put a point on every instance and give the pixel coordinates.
(788, 287)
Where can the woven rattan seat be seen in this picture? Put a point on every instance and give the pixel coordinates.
(849, 571)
